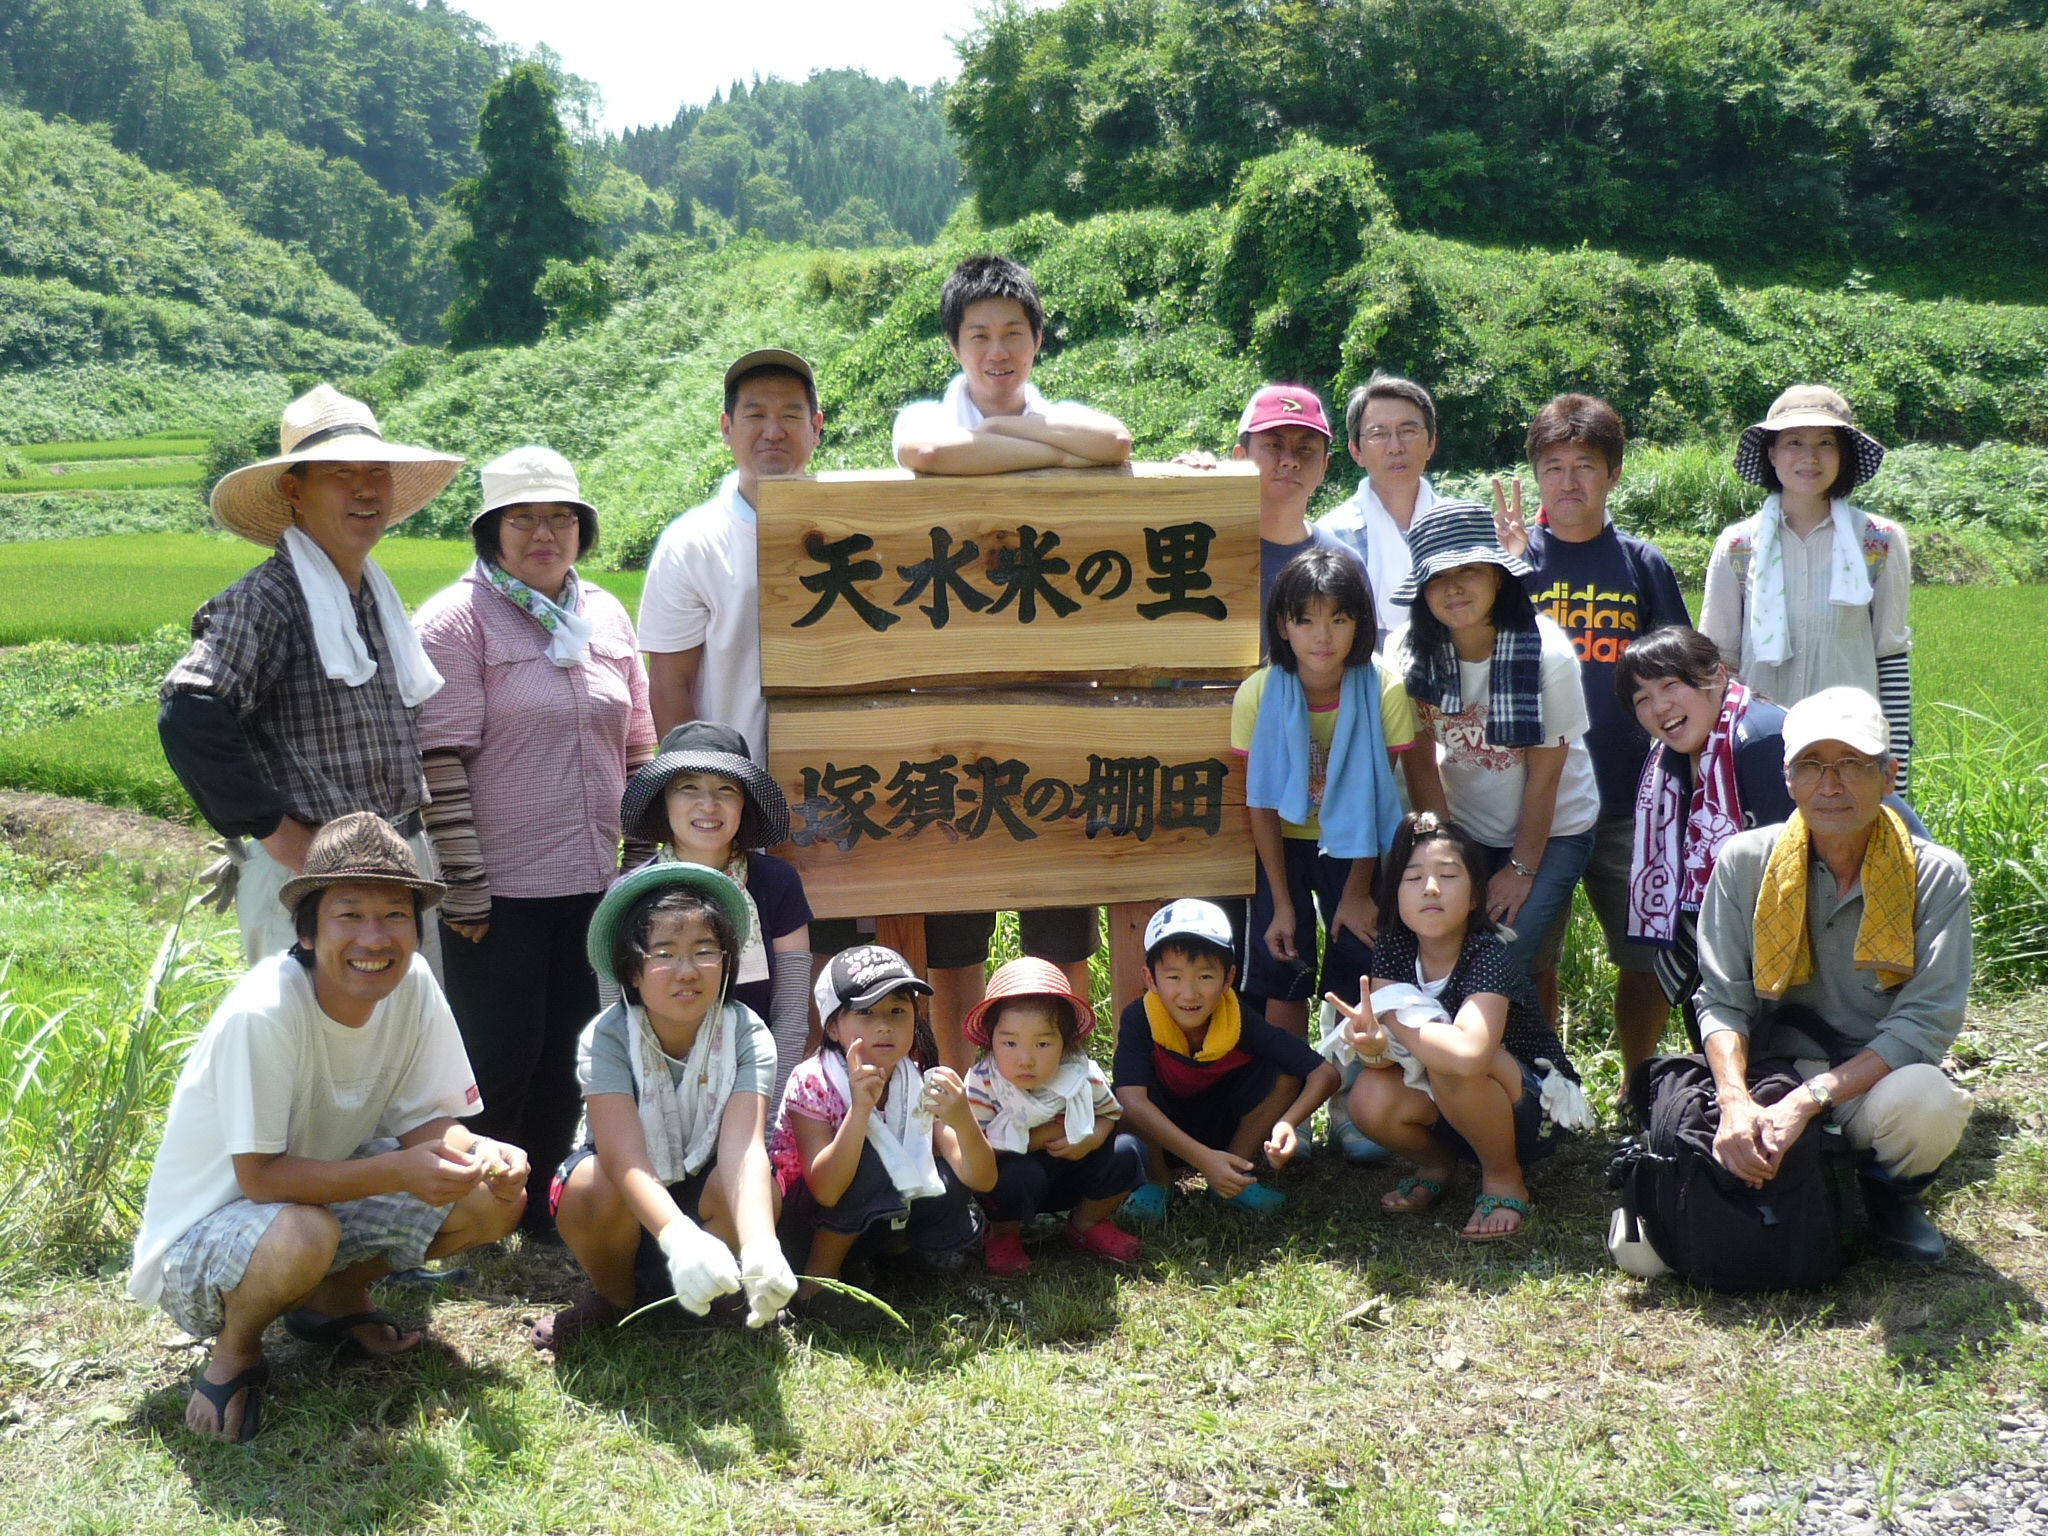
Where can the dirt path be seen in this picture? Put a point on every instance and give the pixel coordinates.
(58, 830)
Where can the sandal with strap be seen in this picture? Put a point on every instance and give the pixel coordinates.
(1485, 1206)
(1406, 1188)
(222, 1393)
(310, 1327)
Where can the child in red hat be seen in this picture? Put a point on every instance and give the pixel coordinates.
(1048, 1112)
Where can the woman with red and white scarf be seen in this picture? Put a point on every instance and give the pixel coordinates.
(1716, 767)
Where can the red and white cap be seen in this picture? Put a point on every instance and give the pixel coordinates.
(1284, 405)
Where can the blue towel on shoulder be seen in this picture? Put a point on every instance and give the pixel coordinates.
(1360, 809)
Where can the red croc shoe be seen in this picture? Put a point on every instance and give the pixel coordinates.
(1105, 1241)
(1003, 1255)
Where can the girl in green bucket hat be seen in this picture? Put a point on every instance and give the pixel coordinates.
(669, 1190)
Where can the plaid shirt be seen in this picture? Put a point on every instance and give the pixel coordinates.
(327, 748)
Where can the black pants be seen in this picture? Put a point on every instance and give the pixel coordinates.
(873, 1207)
(521, 998)
(1030, 1182)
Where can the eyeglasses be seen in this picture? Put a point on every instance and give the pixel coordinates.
(526, 522)
(707, 958)
(1405, 434)
(1804, 772)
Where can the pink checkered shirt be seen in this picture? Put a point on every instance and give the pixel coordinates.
(545, 746)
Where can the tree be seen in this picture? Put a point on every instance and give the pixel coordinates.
(520, 215)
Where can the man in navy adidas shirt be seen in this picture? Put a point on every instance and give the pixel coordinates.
(1604, 588)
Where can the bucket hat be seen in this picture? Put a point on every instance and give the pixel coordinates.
(1026, 977)
(1448, 535)
(529, 474)
(627, 890)
(861, 977)
(1805, 405)
(325, 426)
(702, 746)
(361, 846)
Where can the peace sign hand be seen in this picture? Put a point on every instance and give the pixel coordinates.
(1508, 524)
(1362, 1031)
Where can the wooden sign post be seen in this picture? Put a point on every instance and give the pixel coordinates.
(895, 613)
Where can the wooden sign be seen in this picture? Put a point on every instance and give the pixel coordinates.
(885, 580)
(971, 802)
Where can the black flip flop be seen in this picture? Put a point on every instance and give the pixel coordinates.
(310, 1327)
(221, 1393)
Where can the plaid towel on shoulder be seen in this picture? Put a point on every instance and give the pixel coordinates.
(1515, 689)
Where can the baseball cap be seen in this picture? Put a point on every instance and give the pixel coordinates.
(1284, 405)
(1847, 715)
(771, 357)
(1190, 918)
(861, 977)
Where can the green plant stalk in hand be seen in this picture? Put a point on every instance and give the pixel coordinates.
(823, 1282)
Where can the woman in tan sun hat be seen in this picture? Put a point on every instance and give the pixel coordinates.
(526, 750)
(1812, 592)
(297, 702)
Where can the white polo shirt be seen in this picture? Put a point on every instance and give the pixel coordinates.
(703, 588)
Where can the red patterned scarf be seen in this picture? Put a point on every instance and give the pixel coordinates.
(1676, 843)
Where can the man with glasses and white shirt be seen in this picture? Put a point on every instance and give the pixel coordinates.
(1390, 425)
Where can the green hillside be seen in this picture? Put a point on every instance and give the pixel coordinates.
(103, 260)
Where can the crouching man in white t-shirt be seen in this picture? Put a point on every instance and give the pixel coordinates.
(313, 1142)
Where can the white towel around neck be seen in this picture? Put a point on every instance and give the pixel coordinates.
(900, 1129)
(1071, 1092)
(1770, 628)
(681, 1121)
(343, 656)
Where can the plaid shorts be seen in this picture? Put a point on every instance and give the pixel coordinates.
(201, 1267)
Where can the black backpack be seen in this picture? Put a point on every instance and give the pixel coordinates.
(1709, 1226)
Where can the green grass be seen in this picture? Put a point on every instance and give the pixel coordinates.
(152, 445)
(128, 477)
(114, 758)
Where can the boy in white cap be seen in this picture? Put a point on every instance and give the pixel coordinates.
(1840, 940)
(1202, 1079)
(298, 701)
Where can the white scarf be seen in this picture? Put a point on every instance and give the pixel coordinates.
(907, 1153)
(567, 630)
(343, 656)
(1071, 1092)
(681, 1122)
(753, 965)
(1770, 630)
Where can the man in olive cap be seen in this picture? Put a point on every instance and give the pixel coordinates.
(314, 1141)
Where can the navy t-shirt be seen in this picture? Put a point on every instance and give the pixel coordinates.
(1273, 559)
(1605, 593)
(778, 891)
(1137, 1067)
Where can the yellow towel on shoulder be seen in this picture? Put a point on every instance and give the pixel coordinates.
(1225, 1025)
(1884, 939)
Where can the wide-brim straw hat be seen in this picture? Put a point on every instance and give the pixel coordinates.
(528, 475)
(702, 746)
(1026, 977)
(1805, 405)
(361, 847)
(1448, 535)
(324, 426)
(627, 890)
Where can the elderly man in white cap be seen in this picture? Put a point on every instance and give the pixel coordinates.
(527, 749)
(1841, 941)
(297, 702)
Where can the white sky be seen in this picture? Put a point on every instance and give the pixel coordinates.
(649, 57)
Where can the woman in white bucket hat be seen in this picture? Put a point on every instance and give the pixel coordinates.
(297, 702)
(527, 750)
(1812, 592)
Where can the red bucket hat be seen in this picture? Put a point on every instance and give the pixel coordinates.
(1027, 977)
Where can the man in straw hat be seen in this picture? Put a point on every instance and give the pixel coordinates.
(298, 700)
(313, 1142)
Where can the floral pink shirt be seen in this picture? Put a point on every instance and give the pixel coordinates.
(810, 1093)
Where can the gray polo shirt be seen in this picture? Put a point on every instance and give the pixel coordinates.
(1913, 1022)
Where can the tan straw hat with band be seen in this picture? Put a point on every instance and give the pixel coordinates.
(1806, 405)
(359, 848)
(325, 426)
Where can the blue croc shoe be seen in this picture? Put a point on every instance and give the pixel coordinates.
(1358, 1147)
(1255, 1198)
(1147, 1204)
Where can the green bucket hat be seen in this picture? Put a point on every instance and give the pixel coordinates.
(627, 890)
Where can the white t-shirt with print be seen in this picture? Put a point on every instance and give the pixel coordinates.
(703, 588)
(271, 1072)
(1483, 783)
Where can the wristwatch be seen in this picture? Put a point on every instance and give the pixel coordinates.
(1823, 1095)
(1520, 868)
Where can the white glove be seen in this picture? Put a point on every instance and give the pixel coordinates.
(767, 1278)
(700, 1267)
(1564, 1101)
